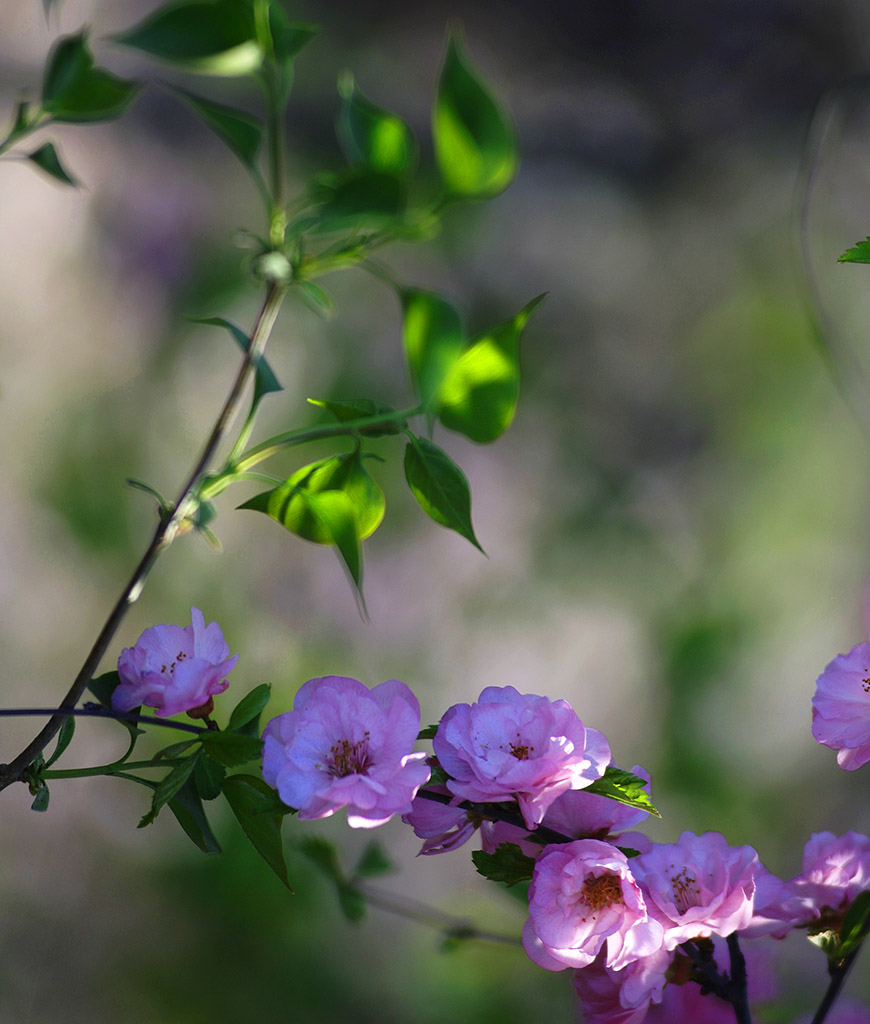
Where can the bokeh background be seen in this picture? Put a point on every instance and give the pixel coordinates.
(675, 524)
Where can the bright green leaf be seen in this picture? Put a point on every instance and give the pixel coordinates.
(372, 136)
(361, 408)
(251, 801)
(860, 254)
(475, 141)
(187, 807)
(64, 738)
(479, 394)
(433, 339)
(230, 748)
(46, 159)
(212, 37)
(265, 380)
(249, 707)
(74, 90)
(508, 865)
(625, 788)
(240, 131)
(440, 487)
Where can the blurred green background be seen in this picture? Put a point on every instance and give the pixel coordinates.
(675, 523)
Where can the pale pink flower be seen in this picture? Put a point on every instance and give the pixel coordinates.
(835, 871)
(699, 886)
(777, 908)
(583, 898)
(442, 827)
(684, 1004)
(174, 668)
(513, 746)
(344, 745)
(841, 707)
(607, 996)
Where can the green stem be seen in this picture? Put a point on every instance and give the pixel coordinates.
(164, 535)
(115, 769)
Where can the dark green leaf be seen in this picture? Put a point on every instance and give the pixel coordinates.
(265, 380)
(63, 739)
(173, 750)
(433, 338)
(104, 686)
(361, 408)
(625, 788)
(74, 90)
(479, 394)
(324, 855)
(508, 865)
(373, 862)
(249, 707)
(438, 777)
(428, 733)
(46, 159)
(860, 254)
(856, 923)
(282, 40)
(241, 132)
(208, 776)
(475, 141)
(440, 487)
(21, 121)
(230, 748)
(212, 37)
(360, 199)
(40, 801)
(351, 902)
(188, 810)
(251, 802)
(372, 136)
(317, 299)
(168, 787)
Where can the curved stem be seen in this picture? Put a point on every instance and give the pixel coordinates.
(113, 770)
(165, 533)
(99, 712)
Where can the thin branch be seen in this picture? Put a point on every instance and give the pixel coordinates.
(91, 711)
(541, 834)
(165, 533)
(838, 972)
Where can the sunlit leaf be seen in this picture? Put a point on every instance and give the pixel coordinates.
(508, 865)
(74, 90)
(46, 159)
(433, 339)
(859, 254)
(251, 801)
(213, 37)
(478, 397)
(620, 785)
(440, 487)
(241, 132)
(372, 136)
(475, 141)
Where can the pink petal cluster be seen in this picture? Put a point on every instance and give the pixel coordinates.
(835, 871)
(699, 886)
(584, 899)
(344, 745)
(518, 746)
(621, 997)
(841, 707)
(442, 827)
(174, 668)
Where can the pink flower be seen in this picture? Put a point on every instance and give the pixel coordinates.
(777, 908)
(518, 746)
(841, 707)
(699, 886)
(835, 871)
(442, 827)
(684, 1004)
(174, 668)
(344, 745)
(621, 997)
(583, 898)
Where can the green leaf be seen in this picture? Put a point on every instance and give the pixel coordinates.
(372, 136)
(317, 299)
(440, 487)
(251, 802)
(74, 90)
(230, 748)
(188, 810)
(173, 750)
(208, 777)
(211, 37)
(168, 787)
(104, 686)
(360, 408)
(249, 707)
(352, 903)
(265, 380)
(474, 137)
(373, 862)
(856, 924)
(508, 865)
(40, 801)
(64, 737)
(361, 199)
(324, 855)
(433, 339)
(860, 254)
(428, 733)
(240, 131)
(478, 397)
(829, 943)
(282, 39)
(46, 159)
(625, 788)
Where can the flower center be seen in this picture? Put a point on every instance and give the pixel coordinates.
(601, 891)
(348, 758)
(170, 668)
(686, 891)
(865, 684)
(521, 751)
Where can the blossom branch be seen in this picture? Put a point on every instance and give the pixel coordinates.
(165, 533)
(541, 834)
